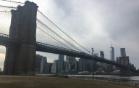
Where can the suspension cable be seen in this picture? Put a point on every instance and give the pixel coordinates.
(7, 6)
(5, 11)
(13, 1)
(52, 37)
(58, 35)
(50, 21)
(63, 31)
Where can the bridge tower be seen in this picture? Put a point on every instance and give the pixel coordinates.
(20, 56)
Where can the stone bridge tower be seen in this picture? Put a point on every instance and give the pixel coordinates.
(20, 55)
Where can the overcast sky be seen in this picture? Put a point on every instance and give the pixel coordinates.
(94, 23)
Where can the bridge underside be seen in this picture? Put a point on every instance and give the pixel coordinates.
(59, 50)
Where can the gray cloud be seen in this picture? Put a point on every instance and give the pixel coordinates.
(117, 20)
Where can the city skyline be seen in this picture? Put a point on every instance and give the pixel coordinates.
(98, 37)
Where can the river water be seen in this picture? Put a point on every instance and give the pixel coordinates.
(133, 80)
(112, 77)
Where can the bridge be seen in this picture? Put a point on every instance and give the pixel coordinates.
(21, 44)
(43, 47)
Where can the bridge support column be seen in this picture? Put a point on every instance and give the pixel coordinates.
(9, 63)
(25, 65)
(20, 57)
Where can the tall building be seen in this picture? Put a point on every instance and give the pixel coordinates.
(123, 59)
(86, 65)
(70, 64)
(41, 64)
(61, 57)
(60, 64)
(112, 53)
(123, 52)
(92, 51)
(82, 65)
(93, 62)
(54, 67)
(102, 54)
(49, 66)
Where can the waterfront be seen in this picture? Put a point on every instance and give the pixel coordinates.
(106, 77)
(132, 80)
(56, 82)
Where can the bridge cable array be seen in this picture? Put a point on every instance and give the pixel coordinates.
(11, 7)
(81, 46)
(39, 28)
(63, 32)
(52, 37)
(4, 11)
(46, 27)
(13, 1)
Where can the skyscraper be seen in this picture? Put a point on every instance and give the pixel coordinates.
(54, 67)
(92, 51)
(123, 52)
(71, 64)
(61, 57)
(87, 65)
(60, 63)
(102, 54)
(123, 59)
(112, 53)
(40, 64)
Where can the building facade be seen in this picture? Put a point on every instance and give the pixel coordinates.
(112, 53)
(123, 59)
(41, 65)
(70, 65)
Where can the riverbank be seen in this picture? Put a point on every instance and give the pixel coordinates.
(130, 80)
(55, 82)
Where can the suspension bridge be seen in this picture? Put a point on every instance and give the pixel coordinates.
(21, 44)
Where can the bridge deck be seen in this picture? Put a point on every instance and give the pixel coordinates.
(4, 40)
